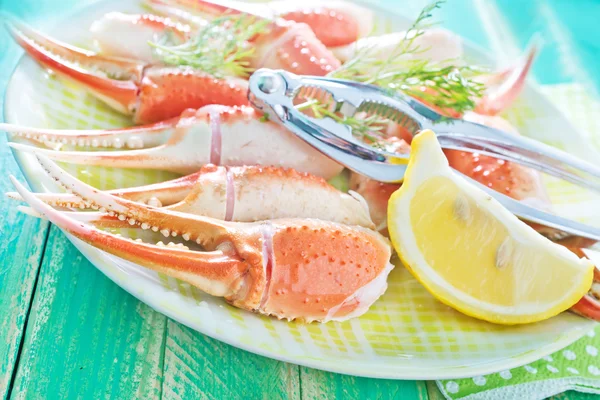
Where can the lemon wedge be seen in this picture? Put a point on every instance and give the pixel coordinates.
(471, 253)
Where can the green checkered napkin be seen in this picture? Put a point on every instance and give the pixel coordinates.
(576, 367)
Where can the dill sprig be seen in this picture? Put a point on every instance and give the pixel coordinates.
(220, 48)
(368, 128)
(442, 85)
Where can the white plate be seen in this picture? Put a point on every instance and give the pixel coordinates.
(406, 334)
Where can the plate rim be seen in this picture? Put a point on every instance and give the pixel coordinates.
(349, 367)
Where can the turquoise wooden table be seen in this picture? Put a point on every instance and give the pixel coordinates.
(66, 331)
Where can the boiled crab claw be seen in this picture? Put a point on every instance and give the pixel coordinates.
(242, 194)
(335, 23)
(504, 87)
(147, 92)
(281, 44)
(213, 134)
(305, 269)
(152, 92)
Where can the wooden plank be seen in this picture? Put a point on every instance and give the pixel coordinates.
(321, 385)
(198, 367)
(86, 337)
(21, 246)
(21, 250)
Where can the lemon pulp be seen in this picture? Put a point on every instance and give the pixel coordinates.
(471, 253)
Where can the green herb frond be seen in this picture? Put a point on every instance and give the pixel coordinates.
(368, 128)
(443, 85)
(220, 48)
(366, 63)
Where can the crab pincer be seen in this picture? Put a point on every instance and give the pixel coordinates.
(147, 92)
(221, 135)
(292, 268)
(279, 44)
(334, 23)
(242, 194)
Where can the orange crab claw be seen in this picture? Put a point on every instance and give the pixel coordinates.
(214, 272)
(505, 86)
(69, 61)
(271, 267)
(148, 93)
(213, 134)
(285, 44)
(335, 23)
(243, 194)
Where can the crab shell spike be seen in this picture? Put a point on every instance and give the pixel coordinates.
(274, 267)
(121, 94)
(213, 134)
(505, 86)
(128, 35)
(129, 138)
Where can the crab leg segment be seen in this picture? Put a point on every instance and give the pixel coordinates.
(290, 268)
(149, 93)
(214, 134)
